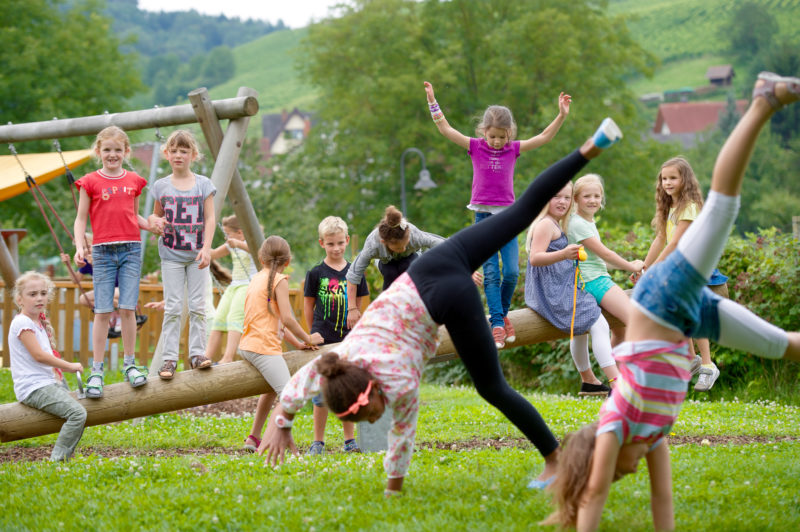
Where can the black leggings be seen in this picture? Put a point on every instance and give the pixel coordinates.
(443, 277)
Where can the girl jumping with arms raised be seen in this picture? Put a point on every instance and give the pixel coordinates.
(494, 155)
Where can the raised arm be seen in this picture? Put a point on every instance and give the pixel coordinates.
(441, 122)
(564, 101)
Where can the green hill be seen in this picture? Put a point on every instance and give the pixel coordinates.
(268, 66)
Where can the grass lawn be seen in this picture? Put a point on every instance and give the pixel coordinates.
(735, 467)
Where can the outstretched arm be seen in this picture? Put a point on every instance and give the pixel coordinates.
(604, 462)
(610, 257)
(564, 100)
(441, 122)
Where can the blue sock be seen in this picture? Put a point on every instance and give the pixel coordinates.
(129, 360)
(97, 366)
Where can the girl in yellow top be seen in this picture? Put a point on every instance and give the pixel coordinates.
(678, 202)
(267, 311)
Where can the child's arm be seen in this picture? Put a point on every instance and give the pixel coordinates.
(604, 463)
(287, 316)
(550, 131)
(157, 218)
(79, 228)
(219, 252)
(204, 255)
(241, 244)
(680, 228)
(156, 226)
(308, 310)
(28, 339)
(539, 256)
(661, 487)
(610, 257)
(293, 341)
(441, 122)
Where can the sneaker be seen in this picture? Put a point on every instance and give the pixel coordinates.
(589, 390)
(499, 334)
(350, 446)
(318, 447)
(511, 334)
(707, 378)
(696, 363)
(607, 134)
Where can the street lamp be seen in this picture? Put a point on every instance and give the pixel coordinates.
(425, 182)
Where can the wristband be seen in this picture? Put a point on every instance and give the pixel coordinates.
(283, 422)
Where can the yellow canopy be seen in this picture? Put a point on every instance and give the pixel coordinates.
(41, 166)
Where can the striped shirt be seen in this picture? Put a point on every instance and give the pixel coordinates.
(654, 377)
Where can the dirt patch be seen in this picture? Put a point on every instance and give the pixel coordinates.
(235, 406)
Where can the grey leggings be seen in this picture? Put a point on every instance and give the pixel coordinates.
(55, 400)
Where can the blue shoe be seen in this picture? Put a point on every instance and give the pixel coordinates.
(317, 447)
(536, 484)
(350, 446)
(607, 134)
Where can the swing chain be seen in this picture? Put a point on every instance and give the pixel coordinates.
(159, 136)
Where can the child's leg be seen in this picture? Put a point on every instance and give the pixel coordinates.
(275, 371)
(55, 400)
(579, 349)
(601, 347)
(173, 277)
(509, 254)
(395, 268)
(130, 269)
(231, 345)
(196, 281)
(617, 302)
(349, 430)
(320, 421)
(740, 329)
(703, 242)
(235, 323)
(214, 343)
(265, 402)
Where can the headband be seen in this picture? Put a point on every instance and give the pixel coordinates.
(363, 400)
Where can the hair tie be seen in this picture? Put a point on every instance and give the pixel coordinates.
(402, 224)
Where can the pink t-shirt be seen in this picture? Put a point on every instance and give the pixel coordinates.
(393, 340)
(111, 210)
(492, 172)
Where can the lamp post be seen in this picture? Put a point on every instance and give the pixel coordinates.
(425, 182)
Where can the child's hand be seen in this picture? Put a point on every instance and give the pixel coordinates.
(477, 278)
(315, 339)
(80, 256)
(74, 367)
(65, 258)
(638, 266)
(353, 315)
(157, 224)
(234, 243)
(571, 251)
(204, 258)
(634, 277)
(563, 103)
(156, 305)
(429, 92)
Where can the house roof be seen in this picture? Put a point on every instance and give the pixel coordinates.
(719, 71)
(691, 117)
(273, 124)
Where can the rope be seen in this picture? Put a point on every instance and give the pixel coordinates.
(67, 173)
(235, 253)
(581, 257)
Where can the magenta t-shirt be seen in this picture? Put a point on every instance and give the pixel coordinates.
(492, 172)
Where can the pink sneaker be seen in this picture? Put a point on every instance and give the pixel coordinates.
(511, 334)
(499, 334)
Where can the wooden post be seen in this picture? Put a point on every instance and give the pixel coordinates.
(225, 149)
(8, 266)
(221, 383)
(230, 108)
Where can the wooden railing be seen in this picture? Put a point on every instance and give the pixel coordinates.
(71, 322)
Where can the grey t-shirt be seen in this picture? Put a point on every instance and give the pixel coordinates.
(183, 209)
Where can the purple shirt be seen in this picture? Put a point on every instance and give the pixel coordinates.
(492, 172)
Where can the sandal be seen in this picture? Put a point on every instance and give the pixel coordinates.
(248, 446)
(94, 385)
(767, 90)
(200, 362)
(136, 375)
(167, 370)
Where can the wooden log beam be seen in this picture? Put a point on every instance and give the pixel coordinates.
(8, 265)
(221, 383)
(231, 108)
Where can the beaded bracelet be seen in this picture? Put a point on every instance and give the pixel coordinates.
(436, 113)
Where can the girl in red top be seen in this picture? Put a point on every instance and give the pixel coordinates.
(110, 199)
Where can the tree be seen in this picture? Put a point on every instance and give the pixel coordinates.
(749, 31)
(369, 66)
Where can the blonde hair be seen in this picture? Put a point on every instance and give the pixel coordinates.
(393, 227)
(112, 133)
(500, 117)
(232, 223)
(182, 138)
(572, 476)
(274, 253)
(331, 225)
(690, 193)
(19, 287)
(563, 223)
(584, 181)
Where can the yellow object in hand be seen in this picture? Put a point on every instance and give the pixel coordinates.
(582, 254)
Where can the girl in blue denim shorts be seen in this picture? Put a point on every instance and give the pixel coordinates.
(670, 304)
(109, 197)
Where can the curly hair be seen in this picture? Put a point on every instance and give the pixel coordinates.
(689, 193)
(572, 476)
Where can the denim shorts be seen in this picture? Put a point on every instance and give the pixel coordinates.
(673, 294)
(598, 287)
(111, 261)
(317, 400)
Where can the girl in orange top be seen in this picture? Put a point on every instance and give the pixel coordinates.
(267, 311)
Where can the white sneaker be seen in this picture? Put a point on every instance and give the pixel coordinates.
(607, 134)
(696, 363)
(707, 378)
